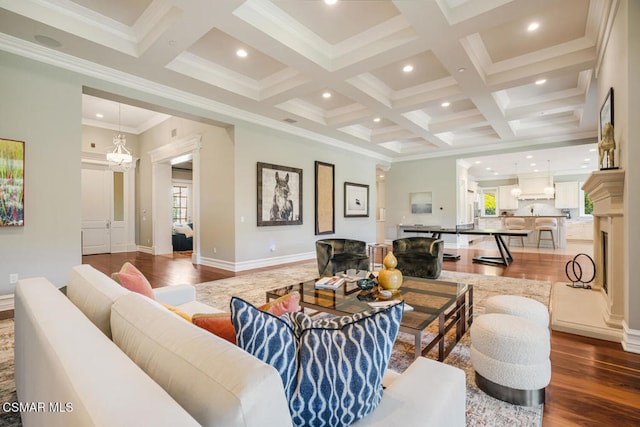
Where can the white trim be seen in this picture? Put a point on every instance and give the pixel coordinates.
(630, 339)
(145, 249)
(160, 158)
(257, 263)
(6, 302)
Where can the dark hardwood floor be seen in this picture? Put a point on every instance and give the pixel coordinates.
(593, 382)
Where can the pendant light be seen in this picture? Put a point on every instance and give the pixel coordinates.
(516, 191)
(549, 191)
(120, 159)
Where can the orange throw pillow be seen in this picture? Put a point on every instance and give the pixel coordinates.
(220, 323)
(132, 279)
(217, 323)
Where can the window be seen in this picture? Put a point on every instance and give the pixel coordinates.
(181, 212)
(489, 202)
(586, 204)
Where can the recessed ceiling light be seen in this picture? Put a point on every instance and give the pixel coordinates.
(241, 53)
(462, 70)
(99, 115)
(330, 2)
(533, 26)
(532, 164)
(488, 169)
(407, 68)
(587, 160)
(326, 95)
(536, 170)
(377, 119)
(529, 156)
(583, 167)
(541, 81)
(445, 104)
(495, 173)
(592, 150)
(478, 162)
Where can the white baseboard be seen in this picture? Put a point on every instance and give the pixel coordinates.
(258, 263)
(6, 302)
(630, 339)
(145, 249)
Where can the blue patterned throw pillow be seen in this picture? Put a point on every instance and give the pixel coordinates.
(340, 361)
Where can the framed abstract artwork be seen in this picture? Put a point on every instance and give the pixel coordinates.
(421, 203)
(279, 195)
(11, 183)
(356, 200)
(325, 198)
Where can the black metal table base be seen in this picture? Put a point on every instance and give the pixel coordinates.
(505, 255)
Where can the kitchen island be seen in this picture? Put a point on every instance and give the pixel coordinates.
(560, 234)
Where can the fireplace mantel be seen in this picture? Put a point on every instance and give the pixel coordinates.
(605, 190)
(599, 312)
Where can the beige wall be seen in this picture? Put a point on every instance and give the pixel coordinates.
(620, 69)
(41, 107)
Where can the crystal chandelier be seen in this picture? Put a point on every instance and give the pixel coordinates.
(549, 190)
(516, 191)
(120, 159)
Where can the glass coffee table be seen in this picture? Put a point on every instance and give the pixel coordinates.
(448, 303)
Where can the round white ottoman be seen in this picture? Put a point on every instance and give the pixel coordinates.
(518, 306)
(510, 355)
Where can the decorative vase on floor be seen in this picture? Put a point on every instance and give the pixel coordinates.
(389, 278)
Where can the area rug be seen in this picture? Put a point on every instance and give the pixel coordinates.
(482, 410)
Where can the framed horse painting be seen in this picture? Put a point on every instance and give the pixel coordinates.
(279, 195)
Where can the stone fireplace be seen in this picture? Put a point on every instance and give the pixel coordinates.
(599, 312)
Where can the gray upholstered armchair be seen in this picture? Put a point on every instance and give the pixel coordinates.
(419, 256)
(336, 255)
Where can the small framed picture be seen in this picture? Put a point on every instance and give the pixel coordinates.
(606, 112)
(421, 203)
(356, 200)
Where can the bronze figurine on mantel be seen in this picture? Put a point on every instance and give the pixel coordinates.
(606, 148)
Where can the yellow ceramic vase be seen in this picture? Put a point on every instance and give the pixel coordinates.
(389, 278)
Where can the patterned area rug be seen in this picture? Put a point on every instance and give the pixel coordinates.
(482, 410)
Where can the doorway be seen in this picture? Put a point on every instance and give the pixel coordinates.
(106, 204)
(162, 199)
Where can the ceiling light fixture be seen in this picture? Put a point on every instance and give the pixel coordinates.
(445, 104)
(241, 53)
(462, 70)
(549, 190)
(516, 191)
(330, 2)
(99, 115)
(377, 119)
(407, 68)
(533, 26)
(541, 81)
(120, 159)
(326, 95)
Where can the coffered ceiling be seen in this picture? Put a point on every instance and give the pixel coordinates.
(472, 89)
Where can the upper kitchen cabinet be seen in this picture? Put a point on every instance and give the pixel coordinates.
(506, 200)
(567, 195)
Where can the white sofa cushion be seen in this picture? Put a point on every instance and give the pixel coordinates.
(93, 293)
(61, 357)
(215, 381)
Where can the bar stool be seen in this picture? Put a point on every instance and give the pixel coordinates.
(549, 225)
(515, 224)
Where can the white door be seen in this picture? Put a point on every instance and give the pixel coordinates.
(96, 210)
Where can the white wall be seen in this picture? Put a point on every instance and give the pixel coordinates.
(435, 175)
(42, 106)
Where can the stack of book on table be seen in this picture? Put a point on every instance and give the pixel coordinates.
(331, 282)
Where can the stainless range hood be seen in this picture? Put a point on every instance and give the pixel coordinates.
(532, 187)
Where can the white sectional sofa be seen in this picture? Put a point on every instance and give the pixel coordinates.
(120, 359)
